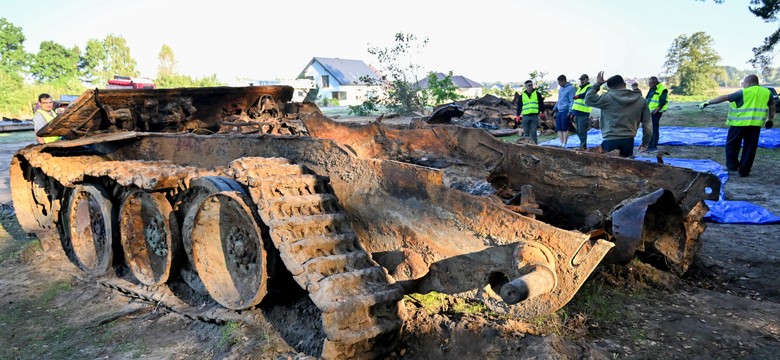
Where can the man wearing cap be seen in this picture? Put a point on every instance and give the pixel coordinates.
(620, 109)
(751, 107)
(656, 102)
(530, 104)
(581, 112)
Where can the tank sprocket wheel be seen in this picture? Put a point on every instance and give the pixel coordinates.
(32, 204)
(89, 229)
(361, 305)
(227, 248)
(149, 232)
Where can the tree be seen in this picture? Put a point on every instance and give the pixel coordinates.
(442, 90)
(692, 64)
(55, 63)
(92, 63)
(540, 84)
(766, 10)
(120, 62)
(13, 58)
(168, 62)
(401, 73)
(104, 59)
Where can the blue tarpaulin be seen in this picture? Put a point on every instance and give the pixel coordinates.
(724, 211)
(679, 136)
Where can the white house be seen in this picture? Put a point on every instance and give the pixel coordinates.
(466, 87)
(343, 79)
(301, 86)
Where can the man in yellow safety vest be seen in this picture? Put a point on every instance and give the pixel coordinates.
(581, 112)
(657, 103)
(43, 116)
(530, 104)
(751, 107)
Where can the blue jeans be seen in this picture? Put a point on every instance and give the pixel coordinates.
(656, 124)
(626, 146)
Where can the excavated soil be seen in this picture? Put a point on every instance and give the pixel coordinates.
(726, 307)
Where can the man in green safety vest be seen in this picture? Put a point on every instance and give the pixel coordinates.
(581, 112)
(751, 108)
(657, 103)
(43, 116)
(530, 104)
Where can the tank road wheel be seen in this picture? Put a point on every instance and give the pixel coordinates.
(227, 249)
(89, 230)
(149, 232)
(198, 190)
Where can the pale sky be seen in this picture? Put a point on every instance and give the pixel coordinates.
(486, 40)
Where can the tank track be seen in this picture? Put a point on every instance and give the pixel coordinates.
(361, 305)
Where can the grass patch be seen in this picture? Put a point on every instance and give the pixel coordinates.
(55, 290)
(230, 333)
(436, 303)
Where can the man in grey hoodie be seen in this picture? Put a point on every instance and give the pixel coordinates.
(621, 112)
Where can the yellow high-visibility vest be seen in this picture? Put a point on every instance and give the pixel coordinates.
(654, 100)
(579, 102)
(754, 109)
(530, 106)
(48, 116)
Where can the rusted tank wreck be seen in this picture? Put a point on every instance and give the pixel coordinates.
(234, 190)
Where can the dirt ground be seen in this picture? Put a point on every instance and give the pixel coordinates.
(726, 307)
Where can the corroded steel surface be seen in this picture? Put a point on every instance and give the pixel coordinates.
(356, 216)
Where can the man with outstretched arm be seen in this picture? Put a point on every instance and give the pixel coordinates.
(751, 107)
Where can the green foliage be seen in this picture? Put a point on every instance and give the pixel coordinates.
(401, 73)
(506, 92)
(230, 333)
(13, 58)
(55, 63)
(168, 62)
(16, 97)
(693, 65)
(104, 59)
(178, 81)
(368, 107)
(92, 62)
(442, 91)
(541, 85)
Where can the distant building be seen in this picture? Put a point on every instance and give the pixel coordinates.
(466, 87)
(343, 79)
(301, 86)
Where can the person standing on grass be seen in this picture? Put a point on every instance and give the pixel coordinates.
(656, 101)
(564, 104)
(620, 109)
(530, 104)
(581, 112)
(751, 107)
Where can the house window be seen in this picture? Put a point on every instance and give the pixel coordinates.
(339, 95)
(325, 81)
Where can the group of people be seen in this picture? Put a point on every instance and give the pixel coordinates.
(623, 110)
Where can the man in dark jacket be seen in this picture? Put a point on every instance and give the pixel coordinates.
(621, 112)
(530, 104)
